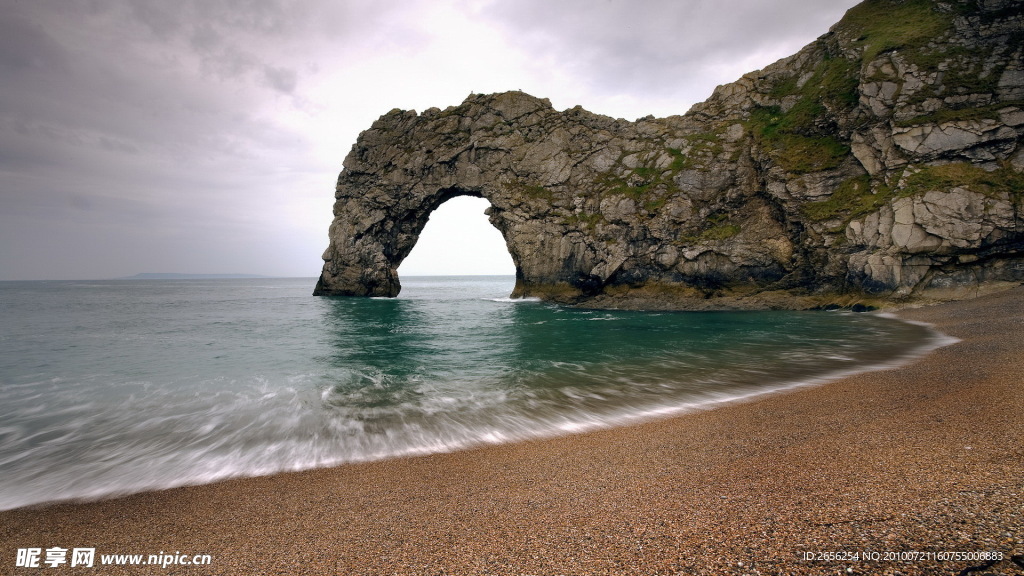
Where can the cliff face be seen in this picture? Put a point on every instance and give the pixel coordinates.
(882, 161)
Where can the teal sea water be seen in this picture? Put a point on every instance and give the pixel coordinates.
(110, 387)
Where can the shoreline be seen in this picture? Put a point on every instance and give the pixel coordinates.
(622, 416)
(925, 457)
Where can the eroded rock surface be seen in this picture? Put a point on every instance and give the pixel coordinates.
(880, 161)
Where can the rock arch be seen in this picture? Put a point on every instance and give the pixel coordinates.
(385, 244)
(491, 147)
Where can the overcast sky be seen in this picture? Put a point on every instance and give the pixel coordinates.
(205, 136)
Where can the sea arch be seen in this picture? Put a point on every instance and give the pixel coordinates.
(406, 165)
(371, 240)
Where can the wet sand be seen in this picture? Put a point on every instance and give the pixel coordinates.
(881, 473)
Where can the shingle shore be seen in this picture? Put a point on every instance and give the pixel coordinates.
(879, 473)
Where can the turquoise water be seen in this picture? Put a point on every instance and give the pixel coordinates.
(110, 387)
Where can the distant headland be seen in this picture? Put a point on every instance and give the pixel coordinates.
(179, 276)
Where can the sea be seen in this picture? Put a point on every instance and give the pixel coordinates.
(118, 386)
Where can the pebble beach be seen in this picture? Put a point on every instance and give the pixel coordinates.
(911, 470)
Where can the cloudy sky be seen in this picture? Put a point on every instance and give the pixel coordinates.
(205, 136)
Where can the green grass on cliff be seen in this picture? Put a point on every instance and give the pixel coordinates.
(885, 25)
(531, 191)
(717, 227)
(584, 221)
(648, 185)
(833, 84)
(720, 232)
(801, 136)
(855, 197)
(918, 30)
(704, 147)
(1003, 181)
(990, 112)
(852, 198)
(794, 144)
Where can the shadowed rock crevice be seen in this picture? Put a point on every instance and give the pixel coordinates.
(881, 162)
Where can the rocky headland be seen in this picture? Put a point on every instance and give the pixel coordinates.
(881, 164)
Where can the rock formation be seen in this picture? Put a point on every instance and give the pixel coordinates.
(881, 162)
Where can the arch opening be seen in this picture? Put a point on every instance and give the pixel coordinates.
(459, 240)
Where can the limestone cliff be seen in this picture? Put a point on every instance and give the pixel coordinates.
(882, 161)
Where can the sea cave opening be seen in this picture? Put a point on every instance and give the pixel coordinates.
(459, 240)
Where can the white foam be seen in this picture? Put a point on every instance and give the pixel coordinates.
(509, 299)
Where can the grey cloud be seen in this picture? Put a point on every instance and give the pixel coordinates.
(281, 79)
(204, 39)
(130, 123)
(128, 90)
(658, 47)
(265, 18)
(163, 19)
(25, 46)
(228, 38)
